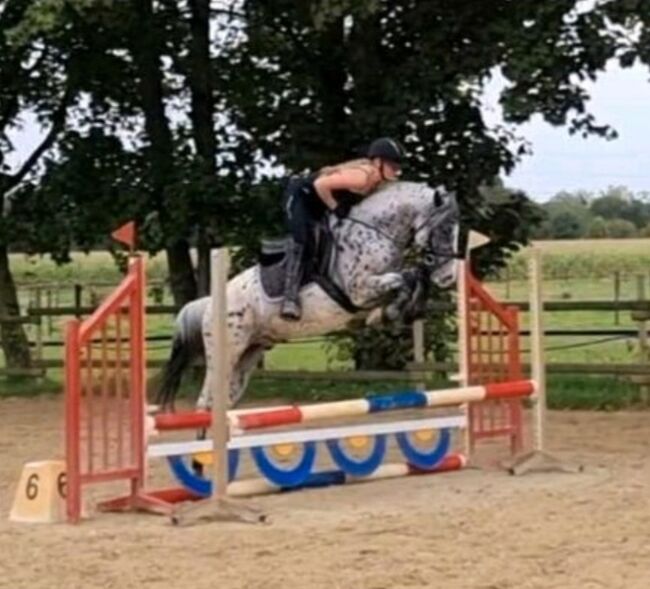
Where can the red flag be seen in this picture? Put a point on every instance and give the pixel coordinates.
(125, 234)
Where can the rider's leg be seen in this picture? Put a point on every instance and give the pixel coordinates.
(299, 225)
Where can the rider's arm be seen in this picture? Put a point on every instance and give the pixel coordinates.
(354, 180)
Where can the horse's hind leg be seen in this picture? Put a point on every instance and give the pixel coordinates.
(239, 340)
(239, 376)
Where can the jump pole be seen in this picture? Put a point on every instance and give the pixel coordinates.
(294, 414)
(217, 506)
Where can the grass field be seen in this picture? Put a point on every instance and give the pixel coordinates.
(573, 270)
(589, 258)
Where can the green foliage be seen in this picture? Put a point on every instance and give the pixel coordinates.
(597, 228)
(616, 212)
(595, 393)
(91, 188)
(567, 225)
(620, 203)
(385, 348)
(508, 218)
(618, 228)
(567, 216)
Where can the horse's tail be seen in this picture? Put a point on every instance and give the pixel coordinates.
(179, 360)
(187, 345)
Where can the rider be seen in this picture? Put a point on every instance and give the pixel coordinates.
(309, 198)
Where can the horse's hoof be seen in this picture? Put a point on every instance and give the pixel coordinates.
(375, 317)
(392, 313)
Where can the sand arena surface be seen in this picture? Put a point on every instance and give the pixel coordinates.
(468, 530)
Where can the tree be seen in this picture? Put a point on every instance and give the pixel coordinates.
(34, 76)
(567, 225)
(508, 220)
(567, 216)
(314, 67)
(619, 228)
(141, 57)
(645, 231)
(618, 202)
(598, 228)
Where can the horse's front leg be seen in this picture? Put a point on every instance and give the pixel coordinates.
(375, 288)
(407, 288)
(410, 302)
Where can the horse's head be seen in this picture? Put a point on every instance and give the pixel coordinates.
(437, 233)
(404, 214)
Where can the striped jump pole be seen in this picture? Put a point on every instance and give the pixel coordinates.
(257, 419)
(382, 403)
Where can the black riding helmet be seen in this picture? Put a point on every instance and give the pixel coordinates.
(387, 149)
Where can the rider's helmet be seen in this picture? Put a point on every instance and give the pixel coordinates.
(387, 149)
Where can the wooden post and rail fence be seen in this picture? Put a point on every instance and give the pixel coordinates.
(41, 317)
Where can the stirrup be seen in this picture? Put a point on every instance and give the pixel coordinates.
(291, 310)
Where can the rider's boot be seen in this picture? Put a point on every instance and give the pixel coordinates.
(293, 276)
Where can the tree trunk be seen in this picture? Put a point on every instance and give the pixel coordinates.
(203, 247)
(200, 80)
(181, 273)
(202, 117)
(332, 73)
(365, 61)
(15, 344)
(146, 56)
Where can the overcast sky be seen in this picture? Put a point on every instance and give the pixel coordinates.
(559, 161)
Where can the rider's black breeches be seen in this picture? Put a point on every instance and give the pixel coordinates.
(300, 218)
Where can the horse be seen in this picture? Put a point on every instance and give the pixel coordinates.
(365, 277)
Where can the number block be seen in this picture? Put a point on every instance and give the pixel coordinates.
(40, 496)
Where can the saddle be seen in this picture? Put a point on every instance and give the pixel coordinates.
(272, 264)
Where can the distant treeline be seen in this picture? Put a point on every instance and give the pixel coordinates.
(613, 213)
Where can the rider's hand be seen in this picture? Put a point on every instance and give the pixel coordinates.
(342, 210)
